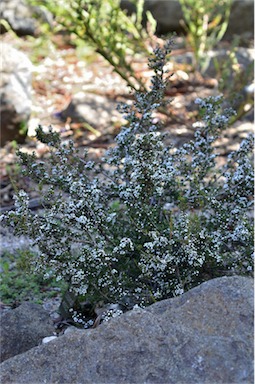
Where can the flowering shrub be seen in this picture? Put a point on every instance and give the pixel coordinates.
(149, 221)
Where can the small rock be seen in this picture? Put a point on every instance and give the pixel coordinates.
(48, 339)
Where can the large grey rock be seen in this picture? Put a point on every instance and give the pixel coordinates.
(167, 13)
(15, 93)
(22, 17)
(243, 56)
(19, 16)
(241, 21)
(23, 328)
(96, 110)
(204, 336)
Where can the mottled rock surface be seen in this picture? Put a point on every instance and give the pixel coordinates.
(15, 93)
(204, 336)
(96, 110)
(23, 328)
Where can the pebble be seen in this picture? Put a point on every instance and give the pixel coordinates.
(48, 339)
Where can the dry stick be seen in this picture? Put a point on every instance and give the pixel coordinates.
(33, 204)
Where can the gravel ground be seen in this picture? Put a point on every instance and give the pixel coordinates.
(10, 243)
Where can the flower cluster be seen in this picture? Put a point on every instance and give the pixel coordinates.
(110, 314)
(149, 221)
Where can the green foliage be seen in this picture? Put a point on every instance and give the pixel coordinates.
(5, 26)
(149, 221)
(23, 128)
(233, 78)
(206, 22)
(104, 25)
(19, 282)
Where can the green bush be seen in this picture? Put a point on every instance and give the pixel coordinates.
(149, 221)
(233, 80)
(206, 22)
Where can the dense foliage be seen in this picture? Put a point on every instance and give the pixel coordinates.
(148, 221)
